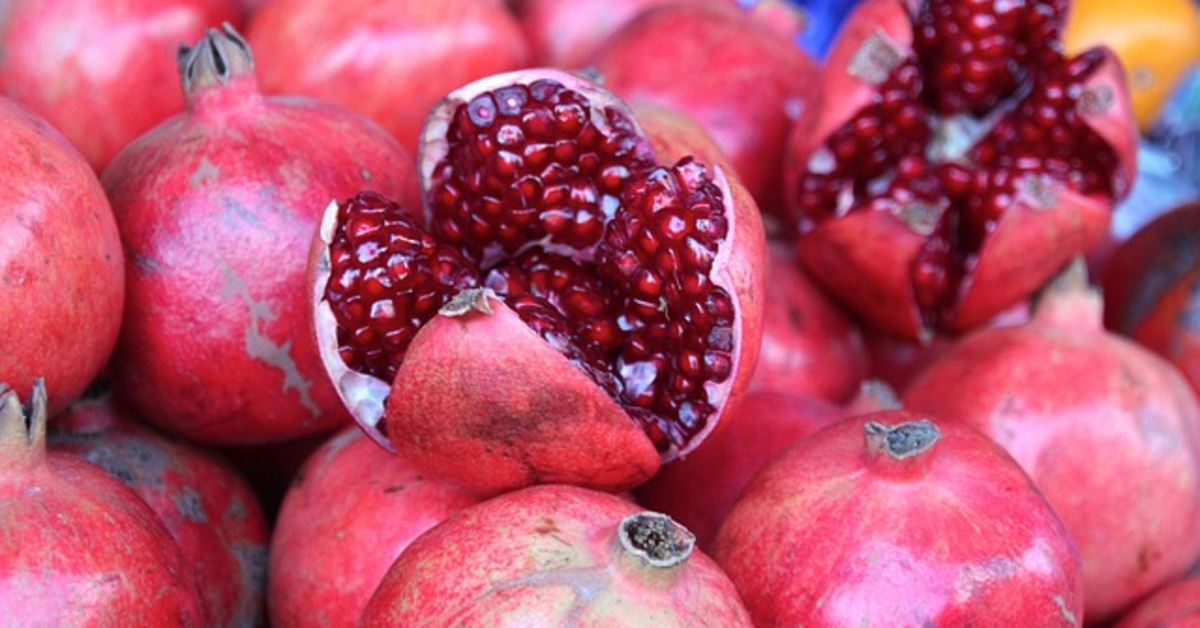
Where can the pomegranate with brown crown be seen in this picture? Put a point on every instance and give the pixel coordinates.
(573, 307)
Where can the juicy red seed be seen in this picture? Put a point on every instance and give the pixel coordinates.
(379, 299)
(516, 144)
(645, 253)
(976, 52)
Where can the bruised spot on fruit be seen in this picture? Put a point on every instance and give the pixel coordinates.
(190, 505)
(394, 489)
(1067, 615)
(546, 526)
(204, 173)
(656, 539)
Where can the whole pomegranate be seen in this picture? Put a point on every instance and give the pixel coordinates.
(1152, 289)
(555, 555)
(207, 507)
(62, 273)
(100, 71)
(753, 80)
(79, 548)
(700, 490)
(350, 512)
(955, 160)
(567, 33)
(1176, 605)
(570, 311)
(809, 345)
(390, 60)
(1108, 431)
(890, 519)
(213, 205)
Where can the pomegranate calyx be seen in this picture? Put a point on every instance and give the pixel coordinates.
(1070, 300)
(469, 300)
(217, 59)
(656, 539)
(902, 451)
(22, 430)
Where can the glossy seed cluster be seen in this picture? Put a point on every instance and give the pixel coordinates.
(551, 203)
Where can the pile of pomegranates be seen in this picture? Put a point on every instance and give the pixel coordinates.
(585, 312)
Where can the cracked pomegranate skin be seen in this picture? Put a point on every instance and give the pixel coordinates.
(76, 63)
(570, 311)
(955, 161)
(873, 522)
(207, 507)
(79, 547)
(213, 206)
(1108, 431)
(62, 272)
(548, 556)
(352, 509)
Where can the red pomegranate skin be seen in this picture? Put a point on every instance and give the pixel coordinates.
(213, 206)
(1107, 430)
(567, 33)
(809, 344)
(838, 532)
(546, 556)
(351, 511)
(208, 508)
(700, 490)
(753, 81)
(1176, 605)
(1152, 289)
(77, 64)
(79, 548)
(390, 60)
(62, 272)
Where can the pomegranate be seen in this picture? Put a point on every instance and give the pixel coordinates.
(350, 512)
(955, 160)
(62, 275)
(570, 311)
(207, 507)
(1152, 289)
(390, 60)
(566, 33)
(79, 548)
(754, 80)
(890, 519)
(1106, 429)
(79, 63)
(1176, 605)
(555, 555)
(700, 490)
(809, 345)
(215, 344)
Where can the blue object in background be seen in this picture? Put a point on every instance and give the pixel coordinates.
(823, 18)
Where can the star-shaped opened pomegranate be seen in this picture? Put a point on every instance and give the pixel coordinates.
(568, 309)
(955, 160)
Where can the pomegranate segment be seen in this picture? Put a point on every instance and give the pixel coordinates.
(544, 199)
(961, 131)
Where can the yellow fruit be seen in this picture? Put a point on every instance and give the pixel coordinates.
(1157, 40)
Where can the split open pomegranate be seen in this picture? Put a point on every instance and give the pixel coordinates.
(569, 309)
(956, 160)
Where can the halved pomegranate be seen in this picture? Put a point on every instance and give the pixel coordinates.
(568, 311)
(956, 160)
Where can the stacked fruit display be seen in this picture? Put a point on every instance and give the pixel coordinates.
(586, 313)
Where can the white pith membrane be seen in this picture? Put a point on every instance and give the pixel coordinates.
(366, 395)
